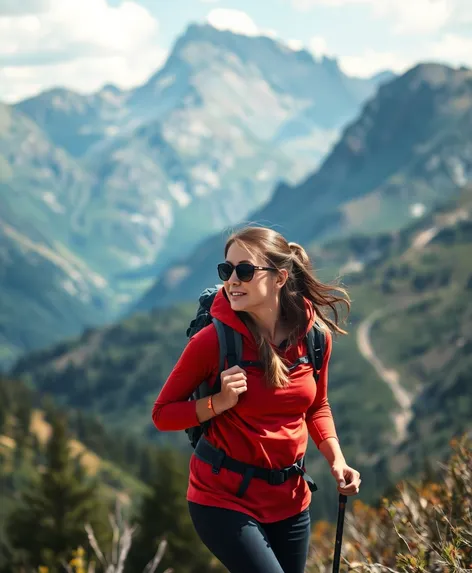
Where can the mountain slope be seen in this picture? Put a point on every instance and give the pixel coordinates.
(41, 184)
(167, 195)
(424, 333)
(124, 484)
(198, 147)
(25, 428)
(112, 371)
(411, 145)
(46, 295)
(74, 121)
(411, 307)
(257, 81)
(47, 292)
(410, 149)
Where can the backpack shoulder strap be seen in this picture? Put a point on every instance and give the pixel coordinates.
(316, 342)
(231, 348)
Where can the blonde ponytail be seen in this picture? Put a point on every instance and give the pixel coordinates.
(321, 295)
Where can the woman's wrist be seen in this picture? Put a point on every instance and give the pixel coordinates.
(209, 407)
(218, 407)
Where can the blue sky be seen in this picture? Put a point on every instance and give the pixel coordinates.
(83, 44)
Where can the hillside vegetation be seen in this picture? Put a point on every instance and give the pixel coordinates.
(424, 525)
(62, 472)
(25, 430)
(117, 371)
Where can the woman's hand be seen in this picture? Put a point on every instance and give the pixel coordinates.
(349, 479)
(233, 383)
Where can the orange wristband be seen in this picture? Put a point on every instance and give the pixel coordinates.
(210, 404)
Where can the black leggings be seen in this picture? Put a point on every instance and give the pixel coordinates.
(244, 545)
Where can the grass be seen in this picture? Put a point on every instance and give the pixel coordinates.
(423, 525)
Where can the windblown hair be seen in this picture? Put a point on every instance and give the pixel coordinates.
(301, 284)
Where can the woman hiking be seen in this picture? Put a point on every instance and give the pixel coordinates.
(264, 413)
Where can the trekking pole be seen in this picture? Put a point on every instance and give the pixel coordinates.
(339, 532)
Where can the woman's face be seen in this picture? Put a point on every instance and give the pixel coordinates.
(261, 290)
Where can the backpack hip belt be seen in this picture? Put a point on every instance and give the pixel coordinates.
(218, 459)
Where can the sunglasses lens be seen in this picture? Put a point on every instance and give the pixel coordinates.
(245, 272)
(224, 271)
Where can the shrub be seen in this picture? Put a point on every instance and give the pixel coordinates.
(426, 528)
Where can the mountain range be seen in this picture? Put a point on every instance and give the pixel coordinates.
(409, 150)
(120, 203)
(46, 295)
(115, 185)
(198, 146)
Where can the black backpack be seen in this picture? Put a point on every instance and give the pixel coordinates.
(230, 344)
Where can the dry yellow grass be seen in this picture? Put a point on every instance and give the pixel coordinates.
(91, 462)
(42, 429)
(7, 442)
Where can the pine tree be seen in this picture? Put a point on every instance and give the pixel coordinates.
(131, 451)
(22, 412)
(164, 514)
(55, 507)
(147, 463)
(4, 403)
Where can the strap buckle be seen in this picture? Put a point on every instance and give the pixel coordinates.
(299, 470)
(278, 477)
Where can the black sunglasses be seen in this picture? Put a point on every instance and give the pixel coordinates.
(244, 271)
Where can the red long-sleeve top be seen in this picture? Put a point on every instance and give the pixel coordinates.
(268, 427)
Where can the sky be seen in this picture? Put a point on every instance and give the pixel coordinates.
(85, 44)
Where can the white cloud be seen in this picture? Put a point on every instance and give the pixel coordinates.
(209, 1)
(238, 22)
(83, 75)
(11, 7)
(415, 17)
(463, 11)
(295, 45)
(270, 33)
(429, 18)
(318, 46)
(77, 45)
(235, 21)
(406, 16)
(365, 64)
(309, 4)
(450, 49)
(371, 62)
(73, 27)
(454, 49)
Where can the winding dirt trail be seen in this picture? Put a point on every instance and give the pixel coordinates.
(390, 377)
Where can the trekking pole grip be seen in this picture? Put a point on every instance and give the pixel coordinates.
(339, 532)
